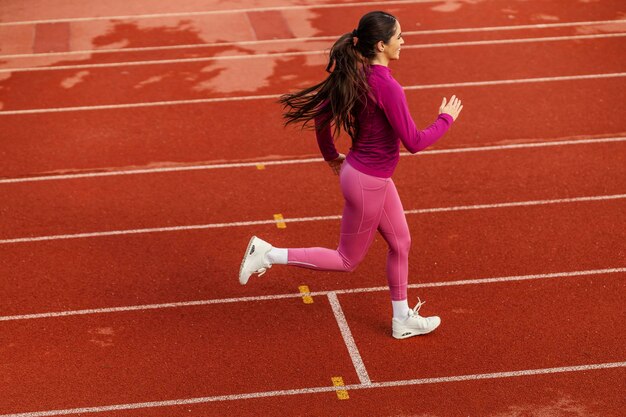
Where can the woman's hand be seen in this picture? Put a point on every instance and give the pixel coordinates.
(453, 108)
(335, 164)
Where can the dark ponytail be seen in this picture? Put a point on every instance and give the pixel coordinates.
(339, 98)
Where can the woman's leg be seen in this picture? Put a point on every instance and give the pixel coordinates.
(394, 228)
(364, 198)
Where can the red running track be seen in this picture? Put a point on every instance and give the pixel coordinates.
(192, 352)
(197, 265)
(277, 74)
(140, 201)
(236, 26)
(187, 355)
(210, 133)
(134, 202)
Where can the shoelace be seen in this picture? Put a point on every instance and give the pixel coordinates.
(417, 307)
(262, 270)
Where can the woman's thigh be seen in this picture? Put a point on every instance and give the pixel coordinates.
(364, 199)
(393, 225)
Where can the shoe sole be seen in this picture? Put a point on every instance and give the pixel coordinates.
(411, 333)
(243, 281)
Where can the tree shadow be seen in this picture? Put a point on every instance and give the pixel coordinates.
(124, 83)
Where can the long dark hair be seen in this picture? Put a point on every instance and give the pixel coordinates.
(340, 97)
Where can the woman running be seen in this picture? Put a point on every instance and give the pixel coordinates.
(361, 97)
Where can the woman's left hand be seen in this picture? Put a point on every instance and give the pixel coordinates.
(335, 164)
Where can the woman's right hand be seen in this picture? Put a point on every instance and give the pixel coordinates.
(453, 108)
(335, 164)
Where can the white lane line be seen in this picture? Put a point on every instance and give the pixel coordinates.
(153, 230)
(315, 390)
(281, 55)
(303, 161)
(276, 96)
(181, 304)
(494, 375)
(225, 11)
(518, 81)
(344, 328)
(310, 38)
(517, 204)
(144, 104)
(515, 27)
(160, 170)
(516, 40)
(306, 219)
(146, 307)
(490, 280)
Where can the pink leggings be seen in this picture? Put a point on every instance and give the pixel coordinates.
(371, 203)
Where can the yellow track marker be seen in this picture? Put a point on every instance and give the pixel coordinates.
(280, 221)
(341, 394)
(260, 166)
(306, 294)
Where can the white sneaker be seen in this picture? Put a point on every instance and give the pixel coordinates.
(254, 259)
(414, 324)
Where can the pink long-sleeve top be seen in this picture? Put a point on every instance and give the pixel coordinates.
(384, 123)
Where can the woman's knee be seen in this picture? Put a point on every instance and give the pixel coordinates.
(401, 244)
(350, 263)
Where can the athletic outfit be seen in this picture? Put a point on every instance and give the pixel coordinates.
(371, 199)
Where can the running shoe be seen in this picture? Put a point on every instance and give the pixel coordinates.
(254, 260)
(414, 324)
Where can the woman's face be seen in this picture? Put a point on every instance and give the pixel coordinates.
(393, 46)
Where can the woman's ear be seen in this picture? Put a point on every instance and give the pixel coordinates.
(380, 46)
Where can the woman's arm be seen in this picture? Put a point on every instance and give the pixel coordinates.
(393, 102)
(326, 143)
(325, 139)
